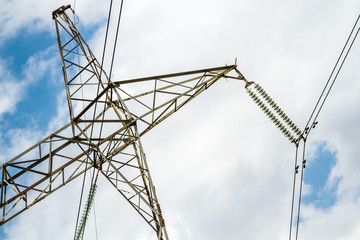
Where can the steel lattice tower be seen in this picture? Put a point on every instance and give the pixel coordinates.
(107, 120)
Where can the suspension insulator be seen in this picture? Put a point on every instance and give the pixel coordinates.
(271, 115)
(296, 130)
(81, 227)
(275, 119)
(287, 133)
(262, 92)
(281, 114)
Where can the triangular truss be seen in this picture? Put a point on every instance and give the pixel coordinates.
(107, 120)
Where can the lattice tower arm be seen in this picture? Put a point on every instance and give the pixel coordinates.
(107, 120)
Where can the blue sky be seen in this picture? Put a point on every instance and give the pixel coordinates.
(220, 164)
(318, 170)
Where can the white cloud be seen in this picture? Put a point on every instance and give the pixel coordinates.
(13, 90)
(16, 17)
(10, 91)
(221, 169)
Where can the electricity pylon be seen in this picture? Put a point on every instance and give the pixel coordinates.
(107, 120)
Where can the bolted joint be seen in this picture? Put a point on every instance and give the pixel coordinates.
(247, 83)
(60, 10)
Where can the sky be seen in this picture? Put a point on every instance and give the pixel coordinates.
(221, 168)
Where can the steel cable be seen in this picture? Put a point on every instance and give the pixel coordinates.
(317, 111)
(330, 77)
(293, 190)
(101, 71)
(92, 127)
(300, 193)
(116, 37)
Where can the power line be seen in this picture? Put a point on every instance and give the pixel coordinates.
(116, 37)
(96, 229)
(296, 167)
(308, 125)
(98, 89)
(300, 193)
(92, 126)
(112, 60)
(106, 36)
(315, 113)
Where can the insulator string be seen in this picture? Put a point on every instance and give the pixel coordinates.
(271, 115)
(90, 200)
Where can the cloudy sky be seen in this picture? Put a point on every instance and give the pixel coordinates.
(222, 170)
